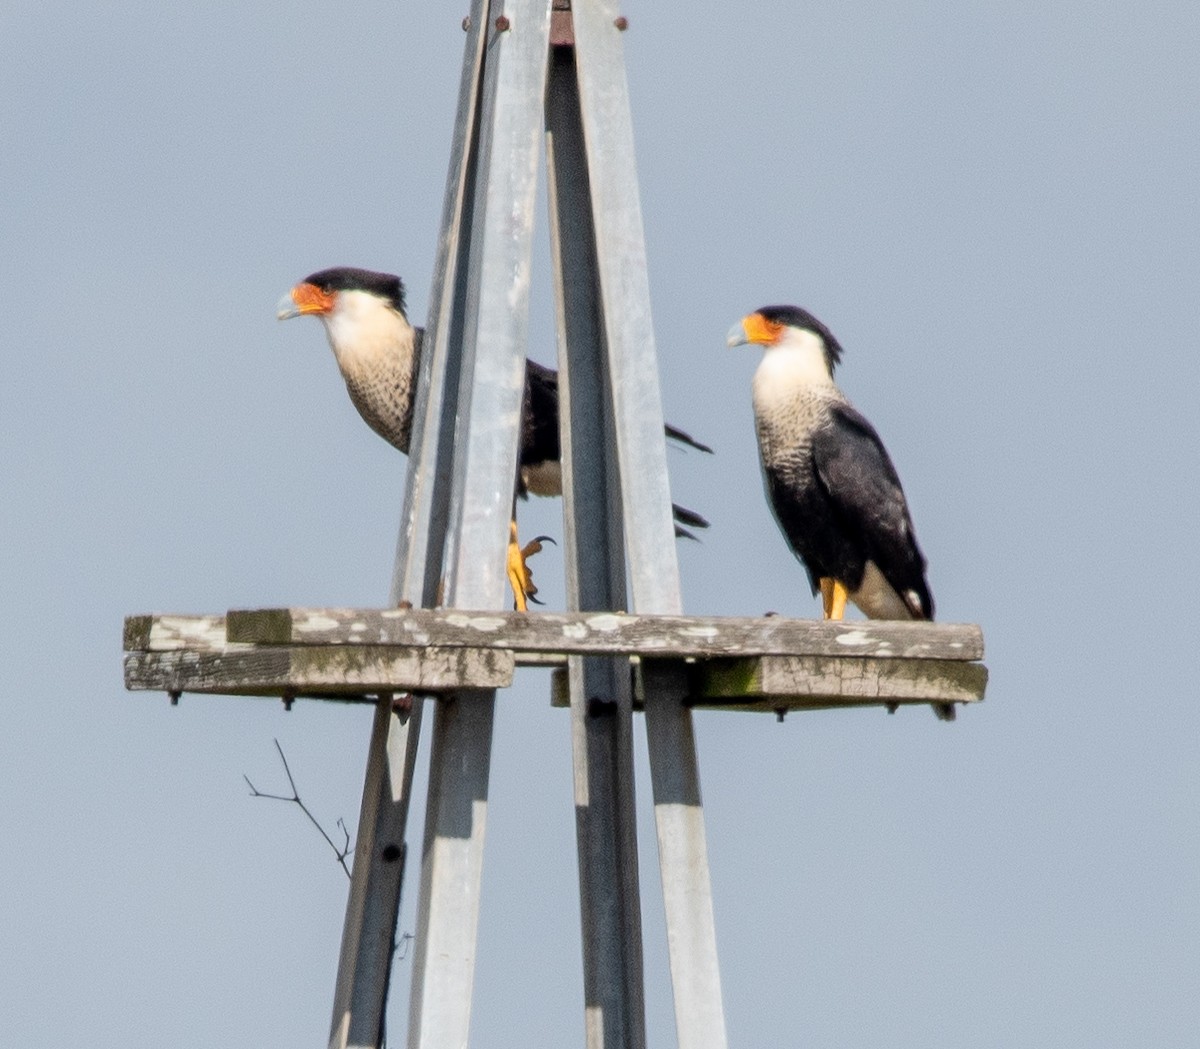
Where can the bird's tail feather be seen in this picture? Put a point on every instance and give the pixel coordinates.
(686, 519)
(683, 437)
(684, 516)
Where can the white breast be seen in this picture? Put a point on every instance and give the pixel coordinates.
(364, 330)
(374, 348)
(792, 389)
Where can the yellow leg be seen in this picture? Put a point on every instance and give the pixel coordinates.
(519, 576)
(840, 594)
(833, 598)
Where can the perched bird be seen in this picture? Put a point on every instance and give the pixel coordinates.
(829, 479)
(378, 353)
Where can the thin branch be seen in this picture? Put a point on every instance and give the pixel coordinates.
(342, 853)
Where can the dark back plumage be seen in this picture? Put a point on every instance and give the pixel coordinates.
(864, 492)
(539, 416)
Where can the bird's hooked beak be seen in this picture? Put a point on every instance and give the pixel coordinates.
(753, 328)
(304, 299)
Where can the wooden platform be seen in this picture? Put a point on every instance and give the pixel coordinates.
(763, 664)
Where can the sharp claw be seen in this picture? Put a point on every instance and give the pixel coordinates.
(519, 574)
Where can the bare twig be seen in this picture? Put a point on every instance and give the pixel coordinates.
(341, 853)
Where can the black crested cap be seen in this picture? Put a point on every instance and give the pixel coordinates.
(347, 278)
(795, 317)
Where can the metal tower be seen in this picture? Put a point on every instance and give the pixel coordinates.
(541, 74)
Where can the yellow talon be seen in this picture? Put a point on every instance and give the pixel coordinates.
(520, 578)
(833, 598)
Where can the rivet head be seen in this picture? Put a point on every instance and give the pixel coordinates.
(503, 25)
(622, 23)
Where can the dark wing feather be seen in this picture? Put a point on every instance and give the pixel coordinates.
(539, 435)
(676, 434)
(539, 416)
(861, 482)
(784, 479)
(539, 427)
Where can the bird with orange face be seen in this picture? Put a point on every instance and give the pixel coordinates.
(378, 353)
(830, 482)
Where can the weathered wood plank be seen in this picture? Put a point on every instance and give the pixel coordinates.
(206, 633)
(846, 679)
(136, 634)
(349, 652)
(169, 633)
(773, 683)
(273, 671)
(607, 633)
(780, 704)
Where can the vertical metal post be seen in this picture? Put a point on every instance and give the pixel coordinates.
(601, 693)
(368, 938)
(649, 531)
(495, 325)
(421, 543)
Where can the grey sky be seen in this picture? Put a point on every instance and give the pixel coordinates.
(993, 206)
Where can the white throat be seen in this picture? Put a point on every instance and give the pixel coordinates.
(796, 363)
(361, 327)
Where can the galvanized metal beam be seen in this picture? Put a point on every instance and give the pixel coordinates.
(488, 224)
(364, 966)
(495, 317)
(421, 543)
(380, 854)
(649, 529)
(600, 688)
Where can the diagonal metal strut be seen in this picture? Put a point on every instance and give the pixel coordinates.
(618, 539)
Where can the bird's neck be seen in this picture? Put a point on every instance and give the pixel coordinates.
(367, 335)
(793, 368)
(376, 352)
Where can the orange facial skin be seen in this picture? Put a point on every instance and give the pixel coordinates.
(760, 330)
(311, 299)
